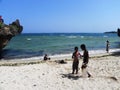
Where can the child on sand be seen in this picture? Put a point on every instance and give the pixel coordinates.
(75, 57)
(85, 61)
(46, 57)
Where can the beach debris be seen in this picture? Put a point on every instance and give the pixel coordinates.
(60, 61)
(34, 85)
(1, 82)
(114, 78)
(43, 74)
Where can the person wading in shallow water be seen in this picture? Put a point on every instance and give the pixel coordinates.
(107, 46)
(85, 60)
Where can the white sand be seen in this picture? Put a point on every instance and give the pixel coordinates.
(53, 76)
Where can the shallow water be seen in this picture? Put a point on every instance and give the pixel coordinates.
(36, 45)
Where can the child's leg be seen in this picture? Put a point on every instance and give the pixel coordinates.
(77, 71)
(77, 63)
(73, 68)
(84, 72)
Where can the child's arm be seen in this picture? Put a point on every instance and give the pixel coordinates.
(72, 55)
(80, 56)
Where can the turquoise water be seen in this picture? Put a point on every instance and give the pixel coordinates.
(30, 45)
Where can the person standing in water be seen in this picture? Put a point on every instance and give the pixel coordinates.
(107, 46)
(85, 61)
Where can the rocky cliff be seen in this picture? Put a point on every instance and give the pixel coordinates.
(118, 32)
(9, 31)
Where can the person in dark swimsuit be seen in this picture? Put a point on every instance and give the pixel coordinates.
(85, 59)
(107, 46)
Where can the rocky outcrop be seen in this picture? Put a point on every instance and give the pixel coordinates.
(9, 31)
(118, 32)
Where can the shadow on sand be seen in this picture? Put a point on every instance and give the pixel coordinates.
(76, 77)
(71, 76)
(116, 53)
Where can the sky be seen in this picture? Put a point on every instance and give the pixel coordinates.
(63, 16)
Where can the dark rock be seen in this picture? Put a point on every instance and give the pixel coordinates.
(9, 31)
(110, 32)
(34, 85)
(118, 32)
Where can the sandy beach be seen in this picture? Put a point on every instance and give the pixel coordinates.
(50, 75)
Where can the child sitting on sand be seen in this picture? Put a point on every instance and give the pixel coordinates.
(85, 60)
(75, 57)
(46, 57)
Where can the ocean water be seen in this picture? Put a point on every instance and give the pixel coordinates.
(37, 44)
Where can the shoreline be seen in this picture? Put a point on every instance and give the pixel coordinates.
(65, 57)
(62, 56)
